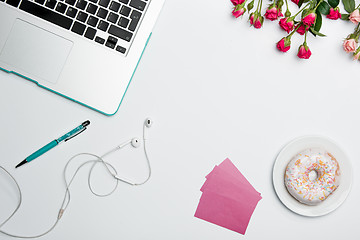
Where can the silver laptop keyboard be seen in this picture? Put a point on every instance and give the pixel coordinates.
(112, 23)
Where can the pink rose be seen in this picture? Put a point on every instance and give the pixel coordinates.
(304, 52)
(355, 16)
(302, 29)
(334, 14)
(251, 18)
(349, 45)
(271, 13)
(280, 13)
(238, 11)
(237, 2)
(287, 24)
(295, 1)
(284, 44)
(309, 19)
(258, 22)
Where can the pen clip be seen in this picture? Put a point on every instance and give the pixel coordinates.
(75, 135)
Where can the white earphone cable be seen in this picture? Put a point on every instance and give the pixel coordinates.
(66, 200)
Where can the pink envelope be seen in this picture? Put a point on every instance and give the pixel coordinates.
(228, 168)
(229, 186)
(225, 212)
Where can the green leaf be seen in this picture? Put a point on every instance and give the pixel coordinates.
(316, 33)
(334, 3)
(318, 21)
(324, 8)
(250, 5)
(345, 16)
(300, 3)
(304, 13)
(349, 5)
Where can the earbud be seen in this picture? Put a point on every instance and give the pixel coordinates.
(135, 142)
(148, 122)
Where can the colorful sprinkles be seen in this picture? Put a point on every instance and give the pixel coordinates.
(301, 186)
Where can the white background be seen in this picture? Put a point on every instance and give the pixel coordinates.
(215, 88)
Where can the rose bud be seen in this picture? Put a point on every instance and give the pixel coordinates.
(259, 22)
(280, 13)
(284, 44)
(271, 13)
(238, 10)
(237, 2)
(295, 1)
(349, 45)
(309, 19)
(287, 24)
(304, 52)
(334, 14)
(302, 29)
(355, 16)
(251, 18)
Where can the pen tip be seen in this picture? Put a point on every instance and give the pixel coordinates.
(86, 123)
(22, 163)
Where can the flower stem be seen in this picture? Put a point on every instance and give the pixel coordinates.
(305, 37)
(257, 7)
(318, 4)
(294, 30)
(301, 10)
(260, 6)
(287, 6)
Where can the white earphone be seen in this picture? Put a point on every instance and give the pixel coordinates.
(134, 142)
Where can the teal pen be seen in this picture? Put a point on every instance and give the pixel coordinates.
(54, 143)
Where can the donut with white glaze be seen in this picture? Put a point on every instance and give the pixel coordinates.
(312, 175)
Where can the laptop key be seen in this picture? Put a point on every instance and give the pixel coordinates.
(120, 49)
(50, 4)
(138, 4)
(125, 11)
(46, 14)
(70, 2)
(120, 33)
(135, 18)
(71, 12)
(91, 8)
(90, 33)
(124, 1)
(82, 16)
(104, 3)
(103, 26)
(114, 6)
(61, 8)
(78, 28)
(102, 13)
(99, 40)
(111, 42)
(123, 22)
(40, 1)
(113, 17)
(13, 3)
(92, 21)
(81, 4)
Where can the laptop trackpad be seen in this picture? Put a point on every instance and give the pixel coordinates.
(35, 51)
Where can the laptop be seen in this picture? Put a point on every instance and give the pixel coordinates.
(84, 50)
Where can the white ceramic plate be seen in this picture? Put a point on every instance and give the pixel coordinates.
(335, 199)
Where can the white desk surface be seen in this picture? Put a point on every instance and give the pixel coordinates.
(215, 88)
